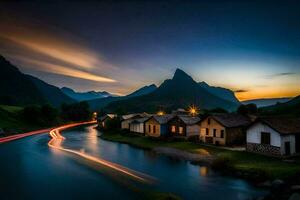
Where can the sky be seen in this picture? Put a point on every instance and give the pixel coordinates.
(251, 47)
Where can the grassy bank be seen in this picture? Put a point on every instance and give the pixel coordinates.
(244, 162)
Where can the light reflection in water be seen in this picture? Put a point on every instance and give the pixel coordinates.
(56, 143)
(203, 170)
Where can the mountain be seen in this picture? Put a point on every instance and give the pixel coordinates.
(101, 103)
(144, 90)
(180, 91)
(52, 94)
(85, 96)
(267, 102)
(291, 108)
(16, 88)
(220, 92)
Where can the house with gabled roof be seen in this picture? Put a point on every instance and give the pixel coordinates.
(103, 119)
(275, 136)
(138, 125)
(224, 129)
(157, 125)
(184, 126)
(127, 119)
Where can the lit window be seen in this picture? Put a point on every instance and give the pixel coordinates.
(180, 130)
(103, 124)
(173, 129)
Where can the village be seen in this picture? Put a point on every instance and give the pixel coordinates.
(272, 136)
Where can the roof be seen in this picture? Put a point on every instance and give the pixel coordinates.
(231, 120)
(189, 120)
(129, 116)
(108, 115)
(140, 120)
(282, 125)
(162, 119)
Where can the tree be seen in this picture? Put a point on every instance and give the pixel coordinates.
(247, 109)
(76, 111)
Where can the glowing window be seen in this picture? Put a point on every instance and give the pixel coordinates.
(173, 129)
(180, 130)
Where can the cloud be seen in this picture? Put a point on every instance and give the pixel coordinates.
(241, 91)
(49, 49)
(281, 74)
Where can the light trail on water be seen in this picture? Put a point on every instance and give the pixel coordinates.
(57, 138)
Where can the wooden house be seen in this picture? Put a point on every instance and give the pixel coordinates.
(157, 125)
(138, 125)
(103, 120)
(276, 136)
(224, 129)
(127, 119)
(184, 126)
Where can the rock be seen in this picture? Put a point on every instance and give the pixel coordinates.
(295, 187)
(295, 196)
(277, 183)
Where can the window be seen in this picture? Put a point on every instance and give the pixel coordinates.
(207, 131)
(173, 129)
(208, 121)
(215, 132)
(154, 128)
(265, 138)
(149, 128)
(222, 134)
(180, 130)
(103, 124)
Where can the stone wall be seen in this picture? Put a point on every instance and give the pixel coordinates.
(263, 149)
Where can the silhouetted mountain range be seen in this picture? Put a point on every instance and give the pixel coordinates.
(180, 91)
(17, 88)
(267, 102)
(84, 96)
(291, 107)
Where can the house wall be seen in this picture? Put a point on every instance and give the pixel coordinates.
(292, 140)
(153, 123)
(177, 123)
(125, 123)
(210, 138)
(254, 140)
(137, 127)
(192, 130)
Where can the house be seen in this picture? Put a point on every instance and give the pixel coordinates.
(103, 120)
(275, 136)
(184, 126)
(137, 125)
(224, 129)
(157, 125)
(180, 111)
(127, 119)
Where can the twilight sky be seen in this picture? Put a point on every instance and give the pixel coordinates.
(251, 47)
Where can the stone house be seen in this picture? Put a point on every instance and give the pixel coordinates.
(224, 129)
(276, 136)
(184, 126)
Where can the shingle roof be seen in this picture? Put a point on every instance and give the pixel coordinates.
(189, 120)
(129, 116)
(282, 125)
(163, 119)
(231, 120)
(140, 120)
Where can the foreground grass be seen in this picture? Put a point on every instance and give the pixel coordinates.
(240, 161)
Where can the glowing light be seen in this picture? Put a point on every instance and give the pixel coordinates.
(160, 113)
(193, 110)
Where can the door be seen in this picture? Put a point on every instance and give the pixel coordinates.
(297, 143)
(287, 147)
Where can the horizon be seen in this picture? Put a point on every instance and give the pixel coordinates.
(120, 47)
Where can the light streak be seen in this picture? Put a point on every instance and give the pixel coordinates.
(56, 141)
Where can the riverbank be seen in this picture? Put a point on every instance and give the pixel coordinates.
(254, 167)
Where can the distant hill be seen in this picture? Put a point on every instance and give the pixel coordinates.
(85, 96)
(180, 91)
(52, 94)
(291, 107)
(101, 103)
(266, 102)
(220, 92)
(16, 88)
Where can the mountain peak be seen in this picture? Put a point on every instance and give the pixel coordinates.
(181, 75)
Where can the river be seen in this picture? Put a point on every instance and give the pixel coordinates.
(30, 169)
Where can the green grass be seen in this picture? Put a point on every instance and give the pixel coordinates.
(11, 109)
(241, 161)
